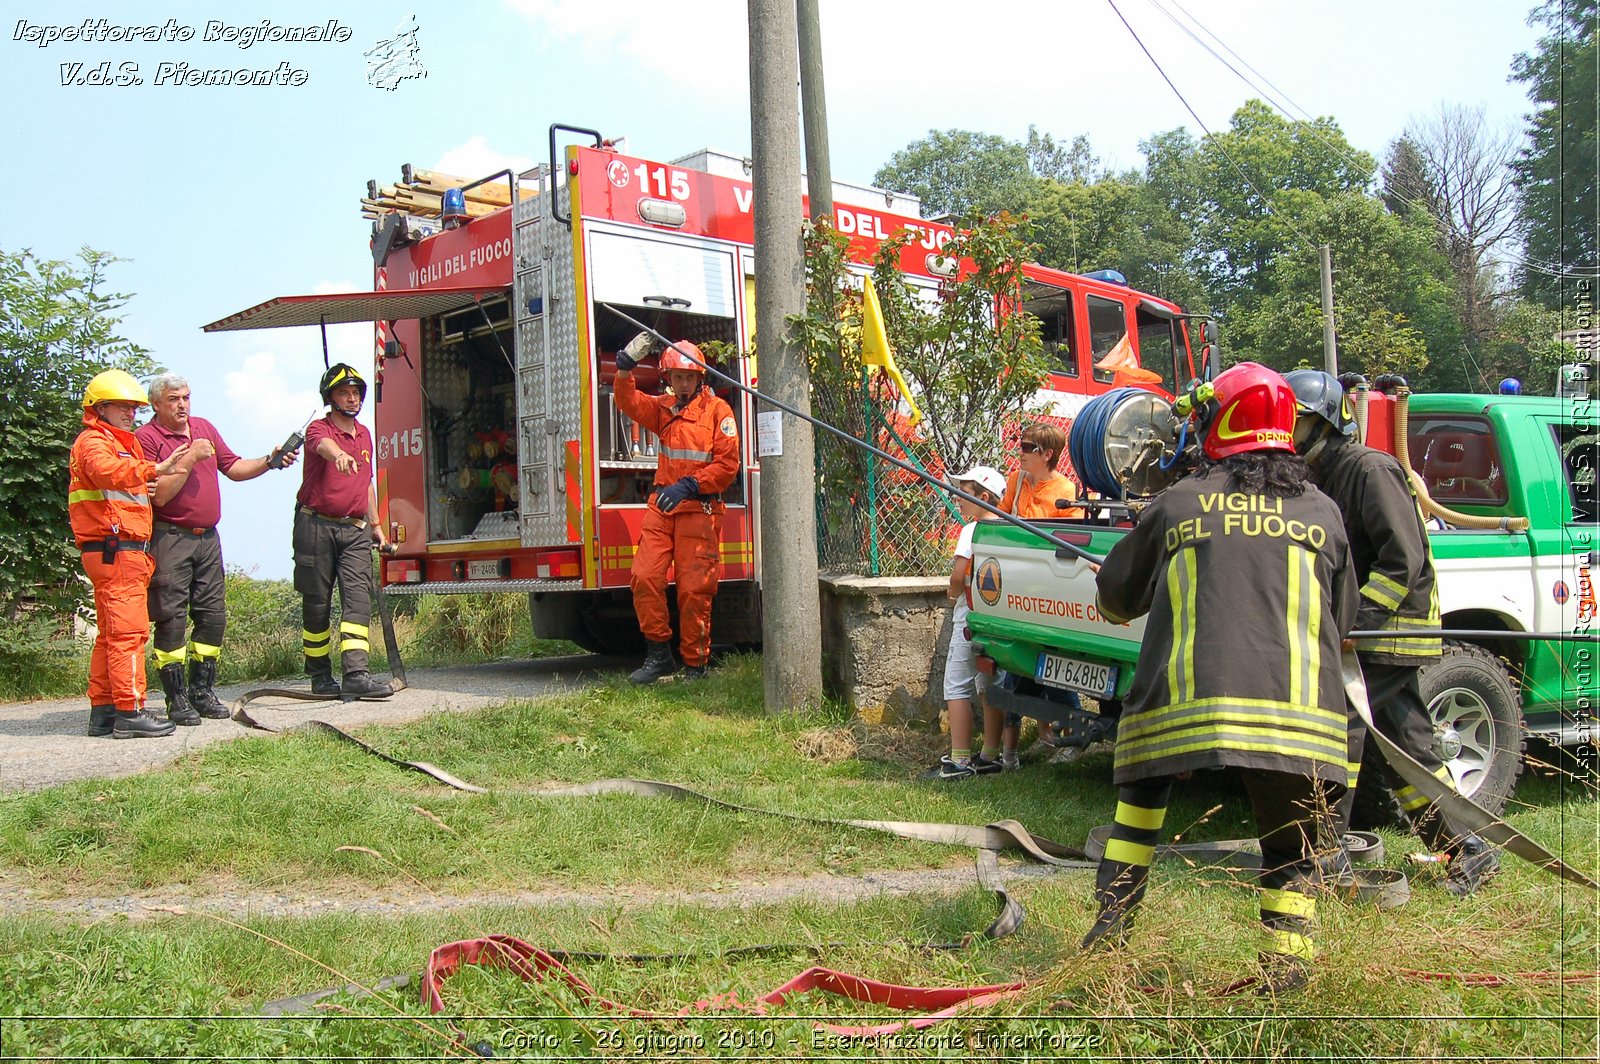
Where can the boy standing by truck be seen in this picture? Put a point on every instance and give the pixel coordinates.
(961, 684)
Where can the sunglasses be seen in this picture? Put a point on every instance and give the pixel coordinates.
(1028, 448)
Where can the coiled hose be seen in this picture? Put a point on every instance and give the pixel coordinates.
(1086, 444)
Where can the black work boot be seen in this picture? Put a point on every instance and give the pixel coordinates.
(1119, 888)
(692, 673)
(100, 720)
(362, 685)
(658, 662)
(322, 681)
(1471, 862)
(202, 693)
(140, 725)
(179, 711)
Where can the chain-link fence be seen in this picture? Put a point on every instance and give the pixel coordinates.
(874, 518)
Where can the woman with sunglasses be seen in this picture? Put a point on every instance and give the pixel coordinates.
(1035, 489)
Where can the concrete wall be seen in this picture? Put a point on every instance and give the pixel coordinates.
(883, 644)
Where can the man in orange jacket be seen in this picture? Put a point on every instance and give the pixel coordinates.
(698, 459)
(108, 503)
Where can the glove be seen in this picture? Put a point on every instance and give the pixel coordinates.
(668, 498)
(637, 351)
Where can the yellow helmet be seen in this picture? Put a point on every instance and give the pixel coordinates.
(114, 385)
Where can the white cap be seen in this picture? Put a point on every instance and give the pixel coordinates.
(986, 477)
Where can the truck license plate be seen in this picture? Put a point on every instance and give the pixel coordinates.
(1077, 675)
(483, 570)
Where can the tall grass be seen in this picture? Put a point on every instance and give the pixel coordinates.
(42, 658)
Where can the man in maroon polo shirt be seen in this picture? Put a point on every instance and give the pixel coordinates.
(335, 525)
(189, 581)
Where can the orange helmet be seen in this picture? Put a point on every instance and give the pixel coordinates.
(1249, 408)
(672, 359)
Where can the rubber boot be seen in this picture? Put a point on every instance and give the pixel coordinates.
(179, 711)
(140, 725)
(202, 693)
(362, 685)
(101, 719)
(658, 662)
(322, 681)
(1119, 888)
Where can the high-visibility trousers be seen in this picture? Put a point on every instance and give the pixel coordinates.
(688, 542)
(116, 666)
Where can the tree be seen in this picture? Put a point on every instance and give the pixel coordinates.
(1049, 160)
(972, 373)
(1558, 172)
(1393, 297)
(958, 172)
(1453, 167)
(58, 329)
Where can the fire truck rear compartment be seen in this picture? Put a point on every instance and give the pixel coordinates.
(627, 452)
(471, 418)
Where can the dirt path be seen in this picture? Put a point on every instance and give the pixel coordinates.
(43, 743)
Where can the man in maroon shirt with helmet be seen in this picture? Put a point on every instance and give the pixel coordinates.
(189, 580)
(335, 524)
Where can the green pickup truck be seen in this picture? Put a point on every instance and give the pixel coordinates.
(1035, 626)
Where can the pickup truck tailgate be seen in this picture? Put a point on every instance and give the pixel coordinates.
(1029, 601)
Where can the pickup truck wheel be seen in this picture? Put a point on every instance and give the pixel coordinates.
(1477, 727)
(1477, 722)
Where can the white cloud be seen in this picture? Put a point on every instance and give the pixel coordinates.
(273, 387)
(696, 44)
(476, 159)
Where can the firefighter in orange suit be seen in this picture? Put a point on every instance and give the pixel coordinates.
(108, 504)
(698, 459)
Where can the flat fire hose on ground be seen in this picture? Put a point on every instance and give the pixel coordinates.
(1460, 810)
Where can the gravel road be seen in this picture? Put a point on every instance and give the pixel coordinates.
(43, 743)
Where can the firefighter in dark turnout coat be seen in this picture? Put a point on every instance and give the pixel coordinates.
(1244, 571)
(1394, 566)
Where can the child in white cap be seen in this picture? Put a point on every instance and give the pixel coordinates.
(961, 684)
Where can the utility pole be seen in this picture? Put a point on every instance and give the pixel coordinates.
(1330, 346)
(814, 107)
(790, 613)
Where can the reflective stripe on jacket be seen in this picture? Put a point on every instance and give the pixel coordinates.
(108, 493)
(1248, 597)
(1389, 546)
(700, 441)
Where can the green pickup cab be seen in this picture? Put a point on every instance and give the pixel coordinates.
(1033, 614)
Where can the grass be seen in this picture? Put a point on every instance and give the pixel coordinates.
(268, 815)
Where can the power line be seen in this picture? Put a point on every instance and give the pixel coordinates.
(1265, 201)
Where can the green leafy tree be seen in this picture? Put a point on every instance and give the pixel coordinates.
(1394, 299)
(58, 328)
(1558, 171)
(972, 373)
(958, 172)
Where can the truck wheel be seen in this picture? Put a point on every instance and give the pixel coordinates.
(1477, 722)
(1477, 727)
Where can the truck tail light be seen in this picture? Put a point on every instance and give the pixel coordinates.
(561, 564)
(985, 664)
(405, 571)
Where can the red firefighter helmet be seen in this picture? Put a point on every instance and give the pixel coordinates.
(671, 359)
(1250, 408)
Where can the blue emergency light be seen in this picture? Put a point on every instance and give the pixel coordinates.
(453, 210)
(1108, 276)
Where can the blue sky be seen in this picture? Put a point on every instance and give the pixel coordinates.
(222, 197)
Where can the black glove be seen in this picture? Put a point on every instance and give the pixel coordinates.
(637, 350)
(668, 498)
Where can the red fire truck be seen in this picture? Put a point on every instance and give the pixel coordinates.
(503, 464)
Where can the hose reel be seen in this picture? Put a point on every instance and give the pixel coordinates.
(1126, 444)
